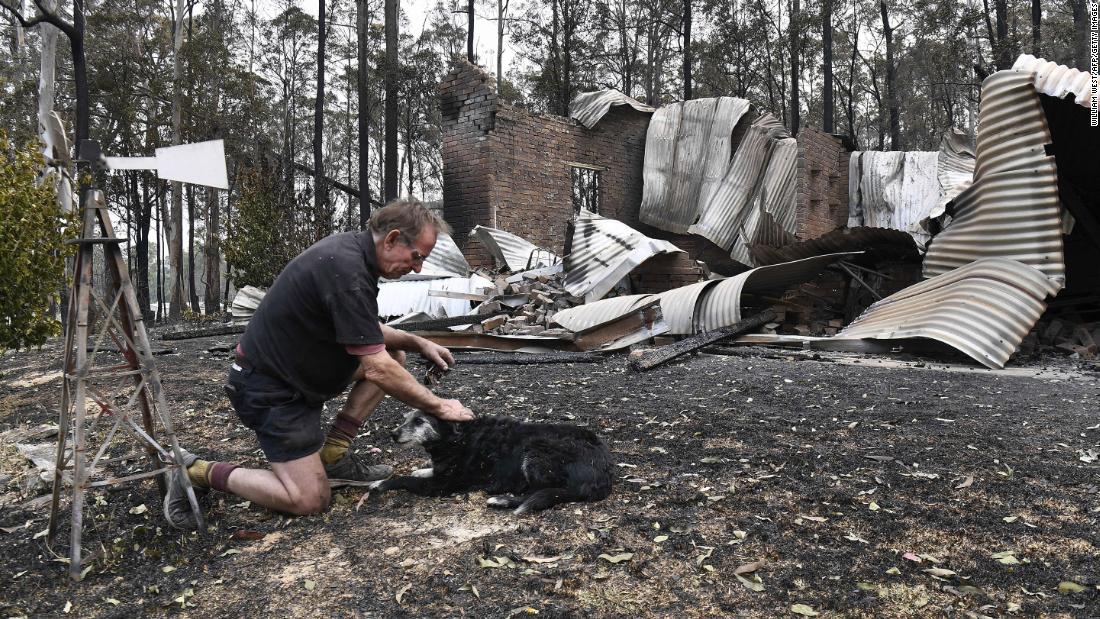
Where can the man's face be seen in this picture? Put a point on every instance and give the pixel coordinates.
(399, 255)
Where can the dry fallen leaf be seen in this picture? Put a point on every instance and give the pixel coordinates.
(402, 591)
(802, 609)
(752, 582)
(911, 557)
(748, 568)
(534, 559)
(940, 572)
(966, 483)
(1007, 557)
(311, 585)
(1067, 587)
(619, 558)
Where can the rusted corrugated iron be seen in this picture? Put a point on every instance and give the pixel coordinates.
(687, 154)
(603, 252)
(984, 309)
(1056, 80)
(589, 107)
(1012, 209)
(515, 252)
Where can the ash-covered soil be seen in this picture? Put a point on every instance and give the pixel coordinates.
(761, 483)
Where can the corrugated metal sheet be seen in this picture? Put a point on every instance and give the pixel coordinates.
(956, 169)
(696, 120)
(589, 107)
(245, 303)
(771, 218)
(703, 306)
(722, 218)
(1012, 208)
(657, 171)
(1055, 79)
(603, 252)
(984, 309)
(721, 306)
(403, 297)
(513, 251)
(897, 243)
(894, 189)
(598, 312)
(687, 154)
(445, 260)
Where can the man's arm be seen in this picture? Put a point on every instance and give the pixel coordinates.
(403, 340)
(383, 370)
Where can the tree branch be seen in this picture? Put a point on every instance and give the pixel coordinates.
(45, 17)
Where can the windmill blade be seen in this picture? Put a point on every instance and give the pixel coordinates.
(202, 163)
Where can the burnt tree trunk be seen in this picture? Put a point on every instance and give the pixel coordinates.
(891, 80)
(687, 50)
(793, 37)
(361, 26)
(827, 64)
(470, 31)
(321, 223)
(391, 179)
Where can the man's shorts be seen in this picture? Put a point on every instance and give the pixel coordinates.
(286, 424)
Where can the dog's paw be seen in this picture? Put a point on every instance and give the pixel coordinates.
(376, 485)
(423, 473)
(501, 502)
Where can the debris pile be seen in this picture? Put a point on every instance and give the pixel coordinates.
(1066, 336)
(525, 304)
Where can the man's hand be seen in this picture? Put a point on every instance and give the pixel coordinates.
(436, 354)
(453, 410)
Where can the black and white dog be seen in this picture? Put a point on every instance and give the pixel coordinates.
(525, 466)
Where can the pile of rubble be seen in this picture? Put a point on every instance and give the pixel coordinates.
(1063, 335)
(525, 304)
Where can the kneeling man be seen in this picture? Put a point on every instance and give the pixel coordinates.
(315, 332)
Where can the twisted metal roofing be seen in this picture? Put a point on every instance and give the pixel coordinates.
(881, 240)
(445, 259)
(703, 306)
(687, 154)
(589, 107)
(1012, 208)
(603, 252)
(1056, 80)
(397, 298)
(894, 189)
(723, 217)
(515, 252)
(771, 219)
(984, 309)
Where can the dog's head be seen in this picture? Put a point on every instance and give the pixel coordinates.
(421, 429)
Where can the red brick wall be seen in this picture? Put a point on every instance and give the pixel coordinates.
(822, 189)
(468, 103)
(509, 169)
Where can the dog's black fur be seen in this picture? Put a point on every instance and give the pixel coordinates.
(525, 466)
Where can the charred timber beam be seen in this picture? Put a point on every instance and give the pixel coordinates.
(664, 354)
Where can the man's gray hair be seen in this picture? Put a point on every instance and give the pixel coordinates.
(409, 216)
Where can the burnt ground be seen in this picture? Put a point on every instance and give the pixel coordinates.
(845, 478)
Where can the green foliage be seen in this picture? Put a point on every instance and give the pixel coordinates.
(258, 245)
(32, 235)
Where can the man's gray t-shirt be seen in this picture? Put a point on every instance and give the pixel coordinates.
(323, 301)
